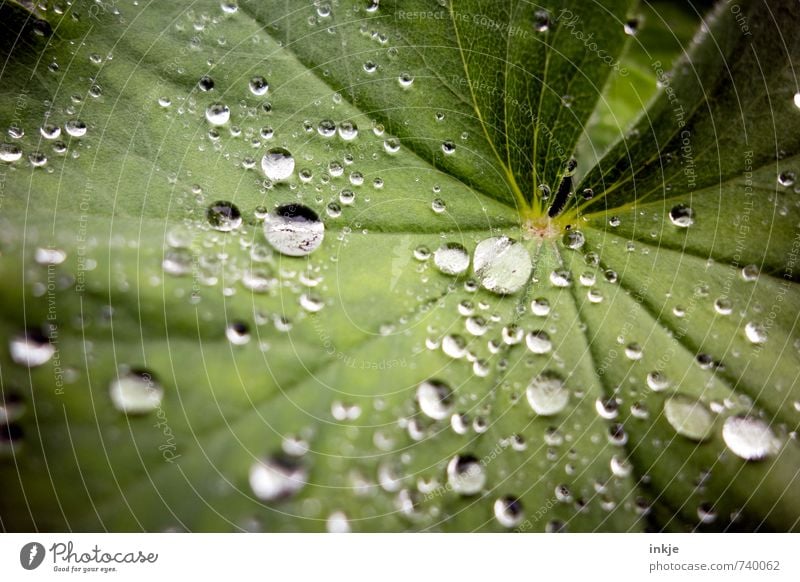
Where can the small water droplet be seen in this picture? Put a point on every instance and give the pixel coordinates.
(75, 128)
(238, 333)
(508, 511)
(218, 114)
(681, 216)
(538, 342)
(755, 332)
(136, 391)
(223, 216)
(10, 152)
(277, 477)
(258, 86)
(465, 475)
(348, 130)
(31, 348)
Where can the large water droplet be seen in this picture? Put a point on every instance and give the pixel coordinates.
(294, 230)
(547, 394)
(435, 399)
(465, 475)
(538, 342)
(10, 152)
(136, 391)
(277, 164)
(451, 259)
(277, 477)
(689, 417)
(755, 332)
(502, 265)
(750, 438)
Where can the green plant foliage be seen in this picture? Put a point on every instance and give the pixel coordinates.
(557, 288)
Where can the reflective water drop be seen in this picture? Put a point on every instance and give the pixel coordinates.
(277, 477)
(476, 326)
(49, 256)
(561, 278)
(547, 394)
(682, 216)
(633, 351)
(294, 230)
(508, 511)
(218, 114)
(574, 239)
(405, 79)
(540, 307)
(538, 342)
(541, 21)
(348, 130)
(435, 399)
(311, 303)
(787, 179)
(223, 216)
(512, 334)
(136, 391)
(454, 346)
(723, 306)
(465, 475)
(50, 131)
(10, 152)
(326, 128)
(755, 332)
(750, 273)
(448, 147)
(657, 381)
(12, 407)
(502, 265)
(205, 83)
(451, 259)
(337, 522)
(438, 205)
(75, 128)
(750, 438)
(31, 348)
(258, 86)
(278, 164)
(238, 333)
(689, 417)
(631, 27)
(178, 262)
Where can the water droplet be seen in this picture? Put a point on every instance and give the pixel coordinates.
(326, 128)
(541, 21)
(755, 332)
(540, 307)
(75, 128)
(476, 326)
(723, 306)
(682, 216)
(750, 438)
(136, 391)
(633, 351)
(508, 511)
(218, 114)
(238, 333)
(502, 265)
(405, 79)
(31, 348)
(448, 147)
(750, 273)
(294, 230)
(465, 475)
(787, 179)
(50, 131)
(657, 381)
(689, 417)
(277, 164)
(10, 152)
(574, 239)
(49, 256)
(277, 477)
(223, 216)
(631, 27)
(438, 205)
(547, 394)
(454, 346)
(311, 303)
(539, 342)
(12, 407)
(205, 83)
(337, 522)
(435, 399)
(348, 130)
(512, 334)
(451, 259)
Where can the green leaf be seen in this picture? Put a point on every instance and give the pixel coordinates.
(643, 377)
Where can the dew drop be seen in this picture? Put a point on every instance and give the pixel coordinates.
(75, 128)
(750, 273)
(682, 216)
(502, 265)
(465, 475)
(294, 230)
(277, 164)
(547, 394)
(237, 333)
(451, 259)
(657, 381)
(205, 83)
(10, 152)
(136, 391)
(689, 417)
(348, 130)
(538, 342)
(438, 205)
(750, 438)
(218, 114)
(755, 332)
(31, 348)
(508, 511)
(258, 86)
(435, 399)
(787, 179)
(223, 216)
(541, 21)
(277, 477)
(540, 307)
